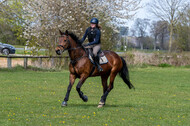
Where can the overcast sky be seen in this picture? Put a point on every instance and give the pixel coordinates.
(142, 13)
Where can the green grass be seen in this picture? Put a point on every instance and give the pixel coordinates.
(162, 97)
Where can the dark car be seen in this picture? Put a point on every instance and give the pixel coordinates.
(7, 49)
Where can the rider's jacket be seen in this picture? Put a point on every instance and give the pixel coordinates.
(93, 34)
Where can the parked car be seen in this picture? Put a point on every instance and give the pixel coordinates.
(7, 49)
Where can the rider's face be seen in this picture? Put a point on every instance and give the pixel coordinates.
(92, 25)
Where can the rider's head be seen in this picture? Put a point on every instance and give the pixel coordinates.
(94, 22)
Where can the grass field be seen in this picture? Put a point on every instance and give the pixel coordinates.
(33, 98)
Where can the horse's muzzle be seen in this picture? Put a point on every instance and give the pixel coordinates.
(58, 52)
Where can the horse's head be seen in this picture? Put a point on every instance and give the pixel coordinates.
(63, 41)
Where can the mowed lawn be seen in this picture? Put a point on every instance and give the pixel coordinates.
(33, 98)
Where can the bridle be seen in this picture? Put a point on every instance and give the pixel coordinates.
(68, 41)
(66, 48)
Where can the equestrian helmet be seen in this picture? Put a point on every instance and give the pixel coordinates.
(94, 21)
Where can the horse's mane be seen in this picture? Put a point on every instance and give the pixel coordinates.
(75, 38)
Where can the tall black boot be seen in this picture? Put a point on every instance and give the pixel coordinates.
(97, 64)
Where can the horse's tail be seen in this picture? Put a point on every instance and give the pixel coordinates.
(124, 74)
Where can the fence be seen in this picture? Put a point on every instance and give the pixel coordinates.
(39, 59)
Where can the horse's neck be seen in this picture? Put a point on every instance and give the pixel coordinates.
(76, 51)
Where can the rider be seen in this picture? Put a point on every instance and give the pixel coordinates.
(94, 35)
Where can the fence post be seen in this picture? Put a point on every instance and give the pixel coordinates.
(60, 63)
(52, 62)
(40, 62)
(25, 63)
(66, 62)
(9, 62)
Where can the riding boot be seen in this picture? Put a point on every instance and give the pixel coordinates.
(97, 64)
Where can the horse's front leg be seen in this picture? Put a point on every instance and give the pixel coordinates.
(72, 80)
(81, 81)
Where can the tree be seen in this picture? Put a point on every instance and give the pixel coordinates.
(154, 32)
(159, 30)
(182, 37)
(141, 26)
(11, 22)
(168, 10)
(49, 16)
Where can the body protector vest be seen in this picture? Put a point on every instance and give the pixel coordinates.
(92, 34)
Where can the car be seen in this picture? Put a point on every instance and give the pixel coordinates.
(7, 49)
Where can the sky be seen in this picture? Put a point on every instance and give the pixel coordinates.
(142, 13)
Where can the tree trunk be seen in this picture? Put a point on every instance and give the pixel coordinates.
(155, 39)
(171, 38)
(141, 44)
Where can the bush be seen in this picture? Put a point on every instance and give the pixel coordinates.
(158, 59)
(164, 65)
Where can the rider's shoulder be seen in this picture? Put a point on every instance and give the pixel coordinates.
(97, 30)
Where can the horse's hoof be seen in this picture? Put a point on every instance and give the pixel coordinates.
(101, 104)
(64, 103)
(85, 98)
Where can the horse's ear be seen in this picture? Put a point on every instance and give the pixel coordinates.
(61, 33)
(66, 32)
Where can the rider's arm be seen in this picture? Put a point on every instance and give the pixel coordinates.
(84, 37)
(97, 38)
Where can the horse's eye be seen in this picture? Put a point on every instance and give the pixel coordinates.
(64, 40)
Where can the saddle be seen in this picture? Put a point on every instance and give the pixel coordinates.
(102, 57)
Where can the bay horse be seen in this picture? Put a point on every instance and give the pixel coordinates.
(81, 67)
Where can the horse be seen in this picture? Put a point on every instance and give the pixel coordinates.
(81, 67)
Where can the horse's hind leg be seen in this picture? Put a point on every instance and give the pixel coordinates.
(104, 96)
(104, 79)
(81, 81)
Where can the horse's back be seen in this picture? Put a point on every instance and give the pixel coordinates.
(114, 64)
(111, 53)
(113, 59)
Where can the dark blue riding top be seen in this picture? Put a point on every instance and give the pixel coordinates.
(93, 34)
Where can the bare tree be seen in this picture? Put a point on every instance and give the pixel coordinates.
(154, 32)
(141, 26)
(159, 32)
(168, 10)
